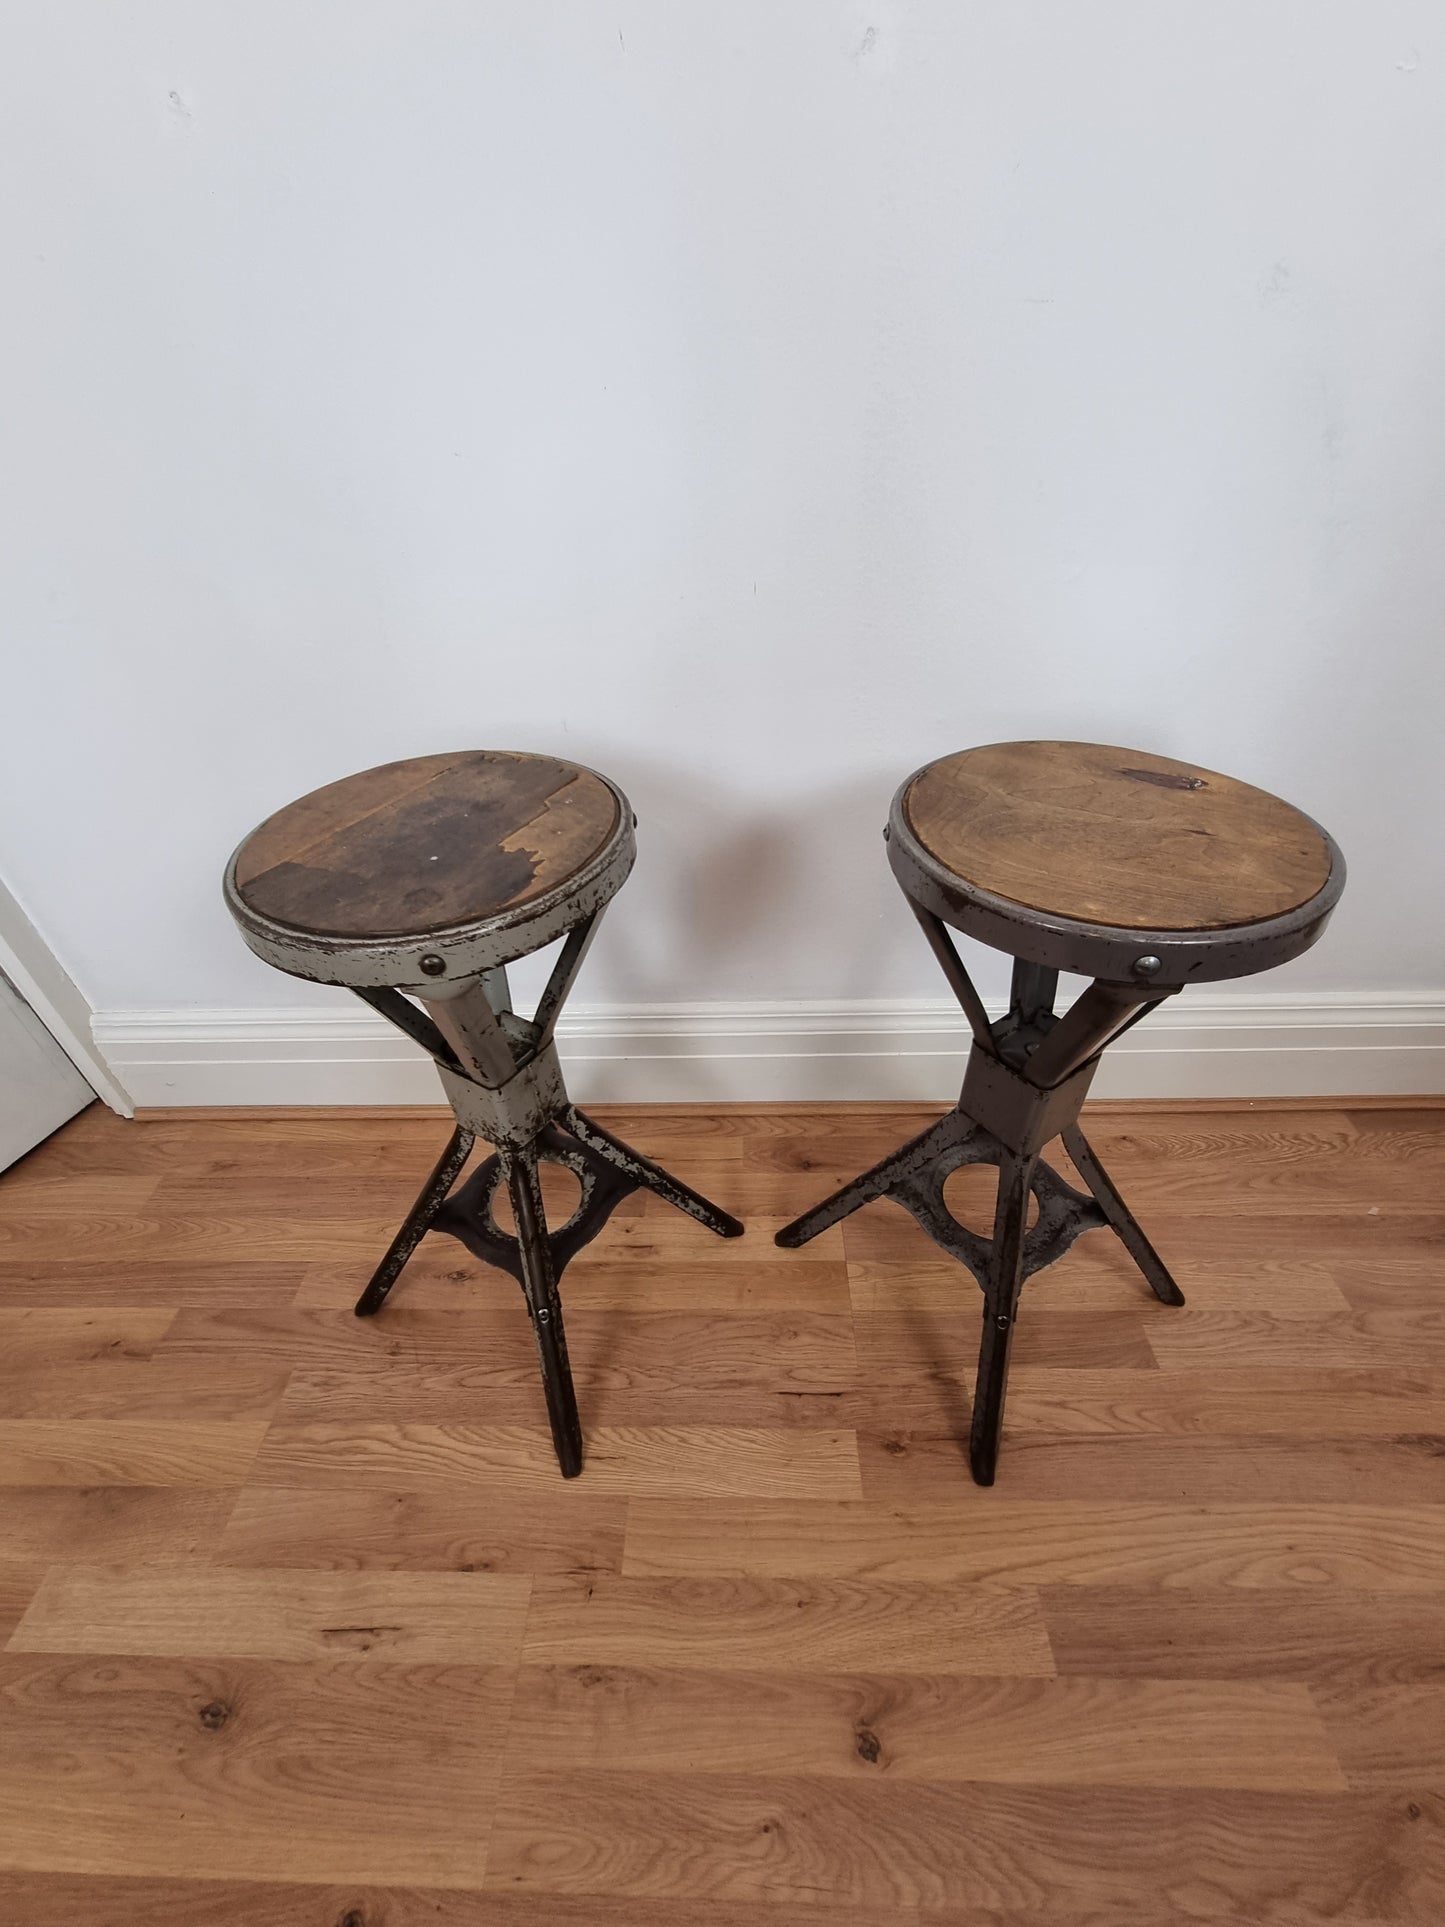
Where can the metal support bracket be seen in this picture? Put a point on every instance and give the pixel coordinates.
(503, 1079)
(470, 1213)
(1025, 1084)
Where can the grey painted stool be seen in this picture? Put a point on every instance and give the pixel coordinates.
(423, 880)
(1141, 873)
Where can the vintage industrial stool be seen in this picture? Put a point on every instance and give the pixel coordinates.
(424, 880)
(1139, 872)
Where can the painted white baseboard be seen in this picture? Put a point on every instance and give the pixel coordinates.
(44, 983)
(1205, 1045)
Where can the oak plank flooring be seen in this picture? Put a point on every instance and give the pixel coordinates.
(299, 1625)
(60, 1900)
(630, 1350)
(515, 1529)
(64, 1523)
(444, 1277)
(1036, 1542)
(248, 1768)
(815, 1626)
(1329, 1634)
(191, 1611)
(149, 1279)
(902, 1347)
(1219, 1469)
(1259, 1400)
(1387, 1736)
(1071, 1732)
(130, 1451)
(1045, 1853)
(702, 1462)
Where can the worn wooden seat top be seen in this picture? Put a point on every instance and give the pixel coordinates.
(425, 845)
(1116, 836)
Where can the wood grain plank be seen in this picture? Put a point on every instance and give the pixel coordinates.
(1035, 1732)
(62, 1899)
(1302, 1165)
(1099, 1275)
(1036, 1542)
(700, 1461)
(835, 1626)
(152, 1388)
(36, 1336)
(1395, 1339)
(190, 1611)
(1208, 1239)
(508, 1394)
(41, 1524)
(27, 1194)
(128, 1451)
(1324, 1633)
(1043, 1853)
(563, 1529)
(460, 1356)
(203, 1238)
(441, 1277)
(902, 1347)
(18, 1581)
(248, 1768)
(102, 1362)
(1221, 1567)
(146, 1280)
(1386, 1736)
(1254, 1401)
(1212, 1470)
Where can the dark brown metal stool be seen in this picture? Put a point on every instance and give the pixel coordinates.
(423, 880)
(1139, 872)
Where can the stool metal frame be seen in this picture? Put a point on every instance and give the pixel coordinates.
(1027, 1076)
(502, 1077)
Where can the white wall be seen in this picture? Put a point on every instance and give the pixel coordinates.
(753, 401)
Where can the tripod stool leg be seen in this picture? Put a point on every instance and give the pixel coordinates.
(1120, 1217)
(1000, 1313)
(433, 1197)
(652, 1176)
(871, 1184)
(544, 1304)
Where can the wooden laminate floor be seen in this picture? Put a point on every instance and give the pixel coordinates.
(299, 1627)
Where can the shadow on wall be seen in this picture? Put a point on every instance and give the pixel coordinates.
(730, 903)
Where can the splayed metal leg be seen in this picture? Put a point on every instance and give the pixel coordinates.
(1028, 1075)
(419, 1222)
(503, 1079)
(1121, 1218)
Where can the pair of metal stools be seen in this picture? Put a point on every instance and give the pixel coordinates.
(416, 884)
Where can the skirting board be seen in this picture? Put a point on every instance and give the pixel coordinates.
(1355, 1044)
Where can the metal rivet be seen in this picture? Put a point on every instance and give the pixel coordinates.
(1147, 966)
(543, 1317)
(433, 965)
(1002, 1321)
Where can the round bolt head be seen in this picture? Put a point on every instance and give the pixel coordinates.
(433, 965)
(1148, 966)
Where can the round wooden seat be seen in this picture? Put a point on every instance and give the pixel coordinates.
(426, 845)
(1116, 836)
(1113, 862)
